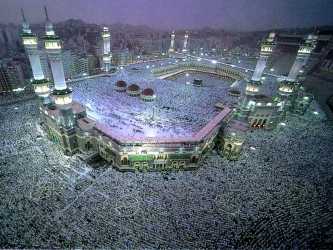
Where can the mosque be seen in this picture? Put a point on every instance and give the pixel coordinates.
(67, 124)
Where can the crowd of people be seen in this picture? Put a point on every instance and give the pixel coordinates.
(277, 195)
(179, 110)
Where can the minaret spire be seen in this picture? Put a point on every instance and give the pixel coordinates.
(46, 14)
(25, 25)
(49, 31)
(23, 16)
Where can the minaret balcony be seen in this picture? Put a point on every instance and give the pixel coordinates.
(62, 97)
(41, 87)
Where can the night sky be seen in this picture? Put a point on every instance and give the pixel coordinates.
(168, 14)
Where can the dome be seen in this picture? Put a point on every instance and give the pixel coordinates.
(148, 92)
(133, 90)
(121, 84)
(133, 87)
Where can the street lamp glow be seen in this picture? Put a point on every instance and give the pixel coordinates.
(214, 62)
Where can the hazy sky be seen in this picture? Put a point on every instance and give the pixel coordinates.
(167, 14)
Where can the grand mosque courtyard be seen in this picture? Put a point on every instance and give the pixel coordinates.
(279, 194)
(179, 108)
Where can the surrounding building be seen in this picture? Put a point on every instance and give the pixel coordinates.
(12, 76)
(4, 81)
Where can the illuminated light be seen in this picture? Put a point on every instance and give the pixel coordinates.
(18, 89)
(30, 41)
(286, 89)
(138, 57)
(50, 33)
(16, 108)
(253, 148)
(263, 78)
(283, 124)
(40, 89)
(306, 98)
(106, 35)
(252, 88)
(187, 82)
(272, 70)
(316, 113)
(233, 134)
(239, 61)
(63, 100)
(147, 66)
(55, 44)
(269, 104)
(199, 59)
(259, 104)
(214, 62)
(187, 74)
(201, 54)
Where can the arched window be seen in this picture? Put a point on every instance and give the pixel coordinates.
(124, 161)
(88, 146)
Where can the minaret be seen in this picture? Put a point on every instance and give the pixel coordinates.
(172, 42)
(266, 51)
(106, 49)
(302, 57)
(185, 42)
(253, 86)
(288, 87)
(62, 94)
(267, 46)
(30, 42)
